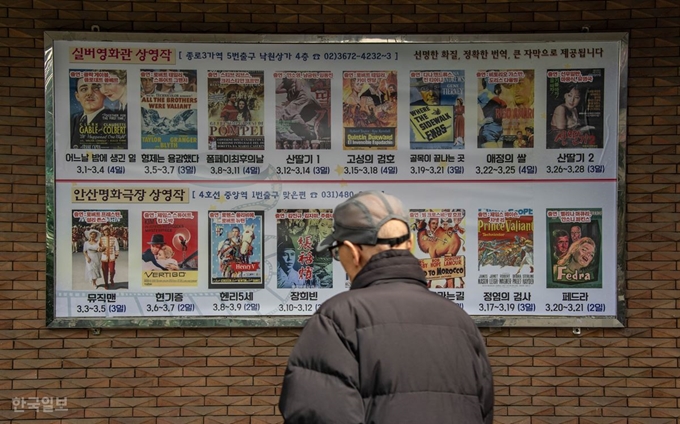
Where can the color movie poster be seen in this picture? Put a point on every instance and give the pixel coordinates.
(169, 113)
(303, 110)
(298, 264)
(236, 110)
(99, 249)
(505, 247)
(236, 249)
(369, 109)
(440, 243)
(505, 113)
(575, 104)
(575, 248)
(98, 109)
(169, 249)
(437, 111)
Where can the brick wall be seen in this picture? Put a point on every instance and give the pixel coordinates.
(542, 375)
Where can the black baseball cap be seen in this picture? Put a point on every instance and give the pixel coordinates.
(359, 218)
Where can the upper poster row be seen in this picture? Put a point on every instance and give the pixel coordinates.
(438, 101)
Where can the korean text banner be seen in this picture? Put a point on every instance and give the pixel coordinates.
(190, 178)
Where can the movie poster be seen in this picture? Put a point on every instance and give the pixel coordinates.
(505, 247)
(440, 244)
(236, 249)
(236, 110)
(303, 110)
(369, 109)
(505, 113)
(437, 111)
(169, 113)
(574, 248)
(298, 264)
(99, 247)
(575, 105)
(98, 109)
(169, 249)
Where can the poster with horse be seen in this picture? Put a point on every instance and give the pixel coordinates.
(236, 249)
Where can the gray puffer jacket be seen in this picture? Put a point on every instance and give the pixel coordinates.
(389, 351)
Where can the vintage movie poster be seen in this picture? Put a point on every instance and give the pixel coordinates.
(169, 109)
(99, 115)
(437, 109)
(298, 264)
(236, 239)
(369, 110)
(440, 245)
(575, 105)
(574, 248)
(303, 109)
(236, 110)
(169, 249)
(505, 247)
(505, 113)
(99, 247)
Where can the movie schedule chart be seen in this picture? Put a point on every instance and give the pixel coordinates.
(195, 180)
(179, 304)
(313, 166)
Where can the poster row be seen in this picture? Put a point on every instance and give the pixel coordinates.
(303, 109)
(485, 264)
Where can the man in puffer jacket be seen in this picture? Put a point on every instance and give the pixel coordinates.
(388, 350)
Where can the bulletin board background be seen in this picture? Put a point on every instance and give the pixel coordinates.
(494, 183)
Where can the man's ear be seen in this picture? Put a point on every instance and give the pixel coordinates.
(356, 253)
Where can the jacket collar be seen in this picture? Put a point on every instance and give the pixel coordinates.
(390, 266)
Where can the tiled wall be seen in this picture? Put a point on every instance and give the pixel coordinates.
(542, 375)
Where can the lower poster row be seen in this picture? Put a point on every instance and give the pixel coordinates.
(500, 246)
